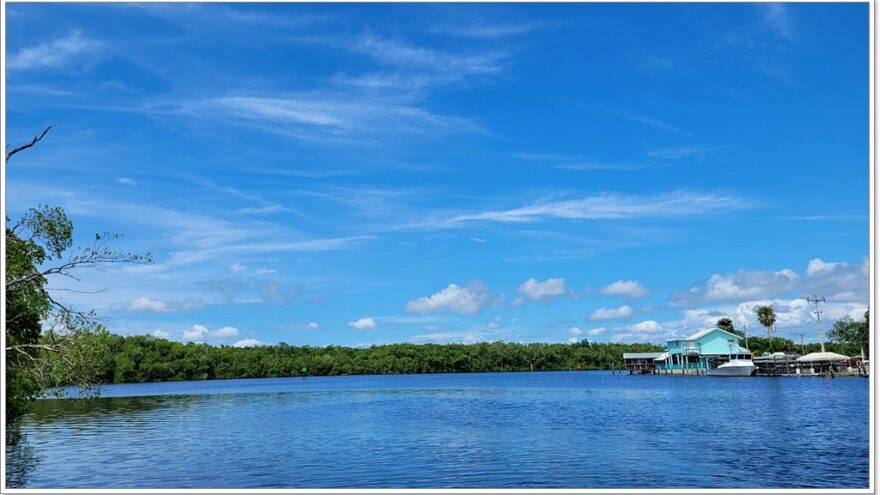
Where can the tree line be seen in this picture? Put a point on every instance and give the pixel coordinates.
(144, 358)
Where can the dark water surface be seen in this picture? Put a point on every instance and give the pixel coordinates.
(488, 430)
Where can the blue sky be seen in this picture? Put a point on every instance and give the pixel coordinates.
(364, 174)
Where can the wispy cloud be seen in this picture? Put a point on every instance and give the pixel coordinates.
(264, 210)
(640, 118)
(678, 153)
(624, 167)
(205, 16)
(777, 19)
(607, 207)
(63, 51)
(323, 117)
(487, 30)
(400, 53)
(410, 67)
(300, 326)
(828, 218)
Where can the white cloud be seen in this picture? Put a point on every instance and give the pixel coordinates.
(237, 268)
(611, 313)
(643, 331)
(574, 333)
(200, 333)
(626, 288)
(248, 343)
(55, 53)
(363, 324)
(836, 281)
(546, 290)
(840, 281)
(464, 300)
(647, 326)
(159, 334)
(740, 285)
(596, 331)
(495, 324)
(196, 334)
(145, 304)
(701, 318)
(225, 332)
(126, 181)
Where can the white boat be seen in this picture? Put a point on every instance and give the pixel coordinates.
(734, 367)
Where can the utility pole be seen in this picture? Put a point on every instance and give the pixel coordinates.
(816, 300)
(803, 352)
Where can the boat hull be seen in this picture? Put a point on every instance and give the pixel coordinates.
(734, 369)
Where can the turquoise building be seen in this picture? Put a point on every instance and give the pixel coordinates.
(701, 349)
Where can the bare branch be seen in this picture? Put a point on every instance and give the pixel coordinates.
(21, 348)
(78, 291)
(26, 146)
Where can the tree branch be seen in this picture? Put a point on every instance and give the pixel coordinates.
(26, 146)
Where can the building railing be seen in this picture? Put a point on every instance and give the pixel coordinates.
(684, 366)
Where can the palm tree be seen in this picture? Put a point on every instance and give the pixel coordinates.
(725, 324)
(767, 317)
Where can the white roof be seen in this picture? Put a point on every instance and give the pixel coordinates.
(640, 355)
(822, 356)
(662, 357)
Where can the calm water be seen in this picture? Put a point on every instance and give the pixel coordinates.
(492, 430)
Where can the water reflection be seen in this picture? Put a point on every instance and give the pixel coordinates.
(21, 458)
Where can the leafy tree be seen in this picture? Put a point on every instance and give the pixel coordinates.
(726, 324)
(853, 335)
(767, 318)
(48, 343)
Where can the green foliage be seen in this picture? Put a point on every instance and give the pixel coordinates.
(726, 324)
(40, 236)
(47, 343)
(854, 336)
(766, 315)
(144, 358)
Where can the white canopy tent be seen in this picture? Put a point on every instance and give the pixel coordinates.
(822, 356)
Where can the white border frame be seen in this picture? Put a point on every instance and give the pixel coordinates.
(872, 28)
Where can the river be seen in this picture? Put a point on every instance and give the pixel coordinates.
(473, 430)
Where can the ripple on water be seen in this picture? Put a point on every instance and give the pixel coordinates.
(513, 430)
